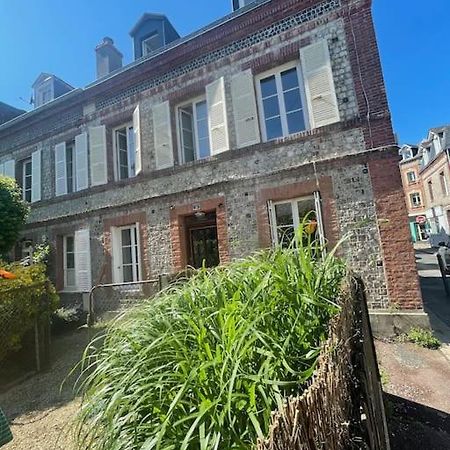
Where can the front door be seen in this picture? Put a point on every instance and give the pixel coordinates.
(204, 247)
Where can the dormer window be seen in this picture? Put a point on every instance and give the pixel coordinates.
(150, 44)
(241, 3)
(44, 93)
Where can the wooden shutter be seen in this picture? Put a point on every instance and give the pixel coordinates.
(244, 109)
(81, 162)
(60, 169)
(319, 84)
(163, 136)
(83, 260)
(137, 140)
(36, 176)
(9, 169)
(98, 163)
(217, 116)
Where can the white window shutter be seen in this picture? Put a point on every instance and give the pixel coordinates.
(9, 169)
(163, 136)
(244, 109)
(2, 169)
(217, 116)
(81, 162)
(319, 84)
(83, 260)
(60, 169)
(98, 161)
(116, 255)
(36, 176)
(137, 140)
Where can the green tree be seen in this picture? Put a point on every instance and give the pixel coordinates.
(13, 213)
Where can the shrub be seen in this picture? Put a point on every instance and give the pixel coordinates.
(23, 300)
(13, 213)
(64, 319)
(423, 337)
(202, 365)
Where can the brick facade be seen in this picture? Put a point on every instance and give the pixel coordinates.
(351, 162)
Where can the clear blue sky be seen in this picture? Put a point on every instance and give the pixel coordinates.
(59, 36)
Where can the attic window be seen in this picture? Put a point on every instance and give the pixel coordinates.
(150, 44)
(44, 94)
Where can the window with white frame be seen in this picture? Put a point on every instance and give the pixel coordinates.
(194, 130)
(282, 102)
(125, 155)
(70, 167)
(44, 94)
(150, 44)
(416, 200)
(27, 179)
(126, 254)
(287, 215)
(411, 176)
(69, 262)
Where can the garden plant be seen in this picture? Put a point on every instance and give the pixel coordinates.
(202, 365)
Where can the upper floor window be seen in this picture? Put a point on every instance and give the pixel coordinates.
(282, 104)
(125, 154)
(70, 166)
(415, 199)
(444, 185)
(27, 175)
(44, 93)
(411, 176)
(194, 131)
(430, 190)
(150, 44)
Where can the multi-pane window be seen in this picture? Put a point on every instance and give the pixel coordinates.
(126, 254)
(27, 179)
(194, 131)
(125, 152)
(416, 200)
(282, 103)
(286, 217)
(70, 166)
(411, 176)
(69, 262)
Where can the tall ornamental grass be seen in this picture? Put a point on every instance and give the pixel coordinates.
(202, 365)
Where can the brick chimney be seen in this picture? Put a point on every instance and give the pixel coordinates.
(108, 57)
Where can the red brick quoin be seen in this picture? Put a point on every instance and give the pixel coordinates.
(398, 252)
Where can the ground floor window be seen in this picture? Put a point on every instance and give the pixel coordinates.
(69, 262)
(287, 215)
(126, 254)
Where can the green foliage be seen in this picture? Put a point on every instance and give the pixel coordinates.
(423, 338)
(22, 300)
(13, 213)
(384, 376)
(202, 365)
(64, 319)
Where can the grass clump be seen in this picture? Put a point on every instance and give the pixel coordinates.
(202, 365)
(423, 337)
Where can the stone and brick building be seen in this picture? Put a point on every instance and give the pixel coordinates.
(426, 181)
(211, 146)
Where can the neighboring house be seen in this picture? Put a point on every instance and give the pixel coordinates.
(218, 144)
(8, 112)
(430, 163)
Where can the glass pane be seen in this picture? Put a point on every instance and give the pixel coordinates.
(289, 79)
(306, 207)
(131, 152)
(283, 214)
(285, 235)
(127, 274)
(186, 118)
(70, 260)
(126, 255)
(202, 130)
(268, 86)
(296, 122)
(123, 158)
(70, 277)
(28, 168)
(126, 237)
(122, 140)
(69, 244)
(292, 100)
(274, 128)
(271, 107)
(202, 111)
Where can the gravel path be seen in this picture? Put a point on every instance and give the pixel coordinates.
(41, 408)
